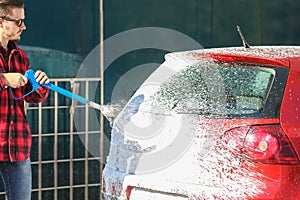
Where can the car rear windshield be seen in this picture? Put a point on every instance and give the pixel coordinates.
(230, 90)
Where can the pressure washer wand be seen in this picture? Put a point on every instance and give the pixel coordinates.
(71, 95)
(29, 74)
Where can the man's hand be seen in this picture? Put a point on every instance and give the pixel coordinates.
(41, 77)
(15, 80)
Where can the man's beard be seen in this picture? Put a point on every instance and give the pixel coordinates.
(16, 39)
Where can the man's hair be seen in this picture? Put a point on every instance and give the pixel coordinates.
(7, 5)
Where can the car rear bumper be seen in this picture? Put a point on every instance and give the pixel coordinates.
(278, 183)
(139, 193)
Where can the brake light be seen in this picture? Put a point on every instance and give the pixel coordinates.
(128, 191)
(103, 186)
(269, 144)
(261, 143)
(233, 140)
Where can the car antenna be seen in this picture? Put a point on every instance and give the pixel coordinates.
(246, 45)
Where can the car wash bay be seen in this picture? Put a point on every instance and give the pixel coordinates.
(60, 36)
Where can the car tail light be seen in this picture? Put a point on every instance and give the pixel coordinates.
(128, 191)
(261, 143)
(103, 186)
(269, 144)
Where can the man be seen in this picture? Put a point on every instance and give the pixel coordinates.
(15, 137)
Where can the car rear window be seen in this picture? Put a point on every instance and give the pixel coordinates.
(218, 89)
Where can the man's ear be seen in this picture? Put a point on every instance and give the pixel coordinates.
(1, 22)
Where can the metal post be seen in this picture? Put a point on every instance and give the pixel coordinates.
(55, 145)
(40, 151)
(101, 92)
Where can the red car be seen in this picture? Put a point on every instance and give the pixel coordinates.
(219, 123)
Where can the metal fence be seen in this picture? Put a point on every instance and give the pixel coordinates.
(66, 157)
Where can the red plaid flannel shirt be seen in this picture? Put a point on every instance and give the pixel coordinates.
(15, 136)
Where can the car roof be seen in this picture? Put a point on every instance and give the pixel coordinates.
(276, 55)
